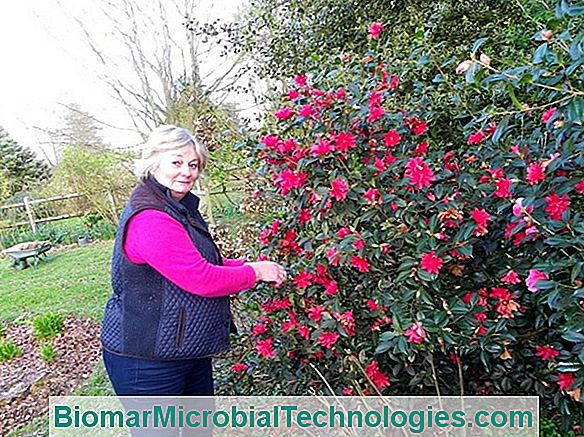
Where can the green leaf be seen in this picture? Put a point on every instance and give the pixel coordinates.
(575, 110)
(479, 42)
(501, 130)
(573, 336)
(540, 53)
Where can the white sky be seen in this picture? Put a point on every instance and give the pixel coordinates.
(45, 62)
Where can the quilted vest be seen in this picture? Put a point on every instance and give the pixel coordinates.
(148, 316)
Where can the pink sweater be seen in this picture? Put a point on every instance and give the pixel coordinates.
(156, 239)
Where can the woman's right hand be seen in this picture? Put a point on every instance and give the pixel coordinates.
(269, 271)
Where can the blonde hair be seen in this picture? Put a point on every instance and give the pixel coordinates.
(168, 138)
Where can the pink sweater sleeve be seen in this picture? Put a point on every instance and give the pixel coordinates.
(156, 239)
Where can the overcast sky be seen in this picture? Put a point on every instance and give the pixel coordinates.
(45, 63)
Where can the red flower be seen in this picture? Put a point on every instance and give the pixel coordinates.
(306, 110)
(322, 148)
(418, 127)
(304, 332)
(377, 376)
(419, 173)
(288, 180)
(300, 80)
(344, 141)
(556, 205)
(533, 278)
(264, 348)
(431, 263)
(565, 380)
(304, 216)
(347, 391)
(535, 173)
(328, 339)
(393, 84)
(258, 329)
(547, 115)
(503, 188)
(303, 279)
(391, 138)
(332, 256)
(239, 367)
(331, 287)
(347, 321)
(476, 138)
(315, 313)
(284, 113)
(415, 333)
(293, 94)
(375, 113)
(481, 217)
(422, 148)
(546, 353)
(480, 317)
(339, 189)
(580, 187)
(511, 278)
(373, 196)
(359, 263)
(373, 305)
(375, 30)
(343, 232)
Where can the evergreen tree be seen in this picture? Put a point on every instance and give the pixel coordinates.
(19, 165)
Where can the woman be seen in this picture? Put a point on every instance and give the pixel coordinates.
(169, 311)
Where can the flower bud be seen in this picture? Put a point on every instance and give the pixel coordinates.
(485, 59)
(558, 124)
(547, 35)
(463, 66)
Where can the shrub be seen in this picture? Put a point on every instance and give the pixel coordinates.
(9, 350)
(48, 325)
(48, 353)
(420, 267)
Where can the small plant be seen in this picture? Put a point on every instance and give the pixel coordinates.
(48, 353)
(9, 350)
(48, 325)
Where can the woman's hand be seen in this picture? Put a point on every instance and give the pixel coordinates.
(269, 271)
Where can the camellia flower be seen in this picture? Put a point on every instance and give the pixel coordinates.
(511, 278)
(419, 173)
(532, 279)
(415, 333)
(264, 348)
(328, 339)
(239, 367)
(306, 110)
(547, 35)
(379, 378)
(418, 127)
(373, 196)
(347, 321)
(565, 380)
(288, 180)
(323, 147)
(476, 138)
(556, 205)
(315, 313)
(547, 115)
(344, 141)
(392, 138)
(284, 113)
(431, 263)
(375, 30)
(503, 188)
(375, 113)
(580, 187)
(259, 328)
(518, 209)
(360, 264)
(421, 148)
(339, 189)
(535, 173)
(481, 217)
(304, 332)
(485, 59)
(373, 304)
(300, 80)
(463, 67)
(546, 353)
(303, 279)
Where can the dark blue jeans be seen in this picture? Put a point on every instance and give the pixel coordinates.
(138, 377)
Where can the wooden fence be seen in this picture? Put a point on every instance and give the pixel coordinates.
(32, 218)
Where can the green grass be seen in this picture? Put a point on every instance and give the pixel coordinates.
(70, 281)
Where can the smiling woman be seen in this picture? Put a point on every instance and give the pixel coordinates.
(169, 311)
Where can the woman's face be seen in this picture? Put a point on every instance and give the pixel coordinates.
(178, 170)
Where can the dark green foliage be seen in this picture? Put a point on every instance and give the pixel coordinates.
(20, 165)
(48, 325)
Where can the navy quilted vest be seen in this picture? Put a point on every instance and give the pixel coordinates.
(147, 315)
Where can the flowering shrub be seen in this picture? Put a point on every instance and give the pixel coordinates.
(419, 267)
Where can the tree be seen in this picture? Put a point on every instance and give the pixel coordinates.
(20, 165)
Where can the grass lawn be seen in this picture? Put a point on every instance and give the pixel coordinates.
(71, 281)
